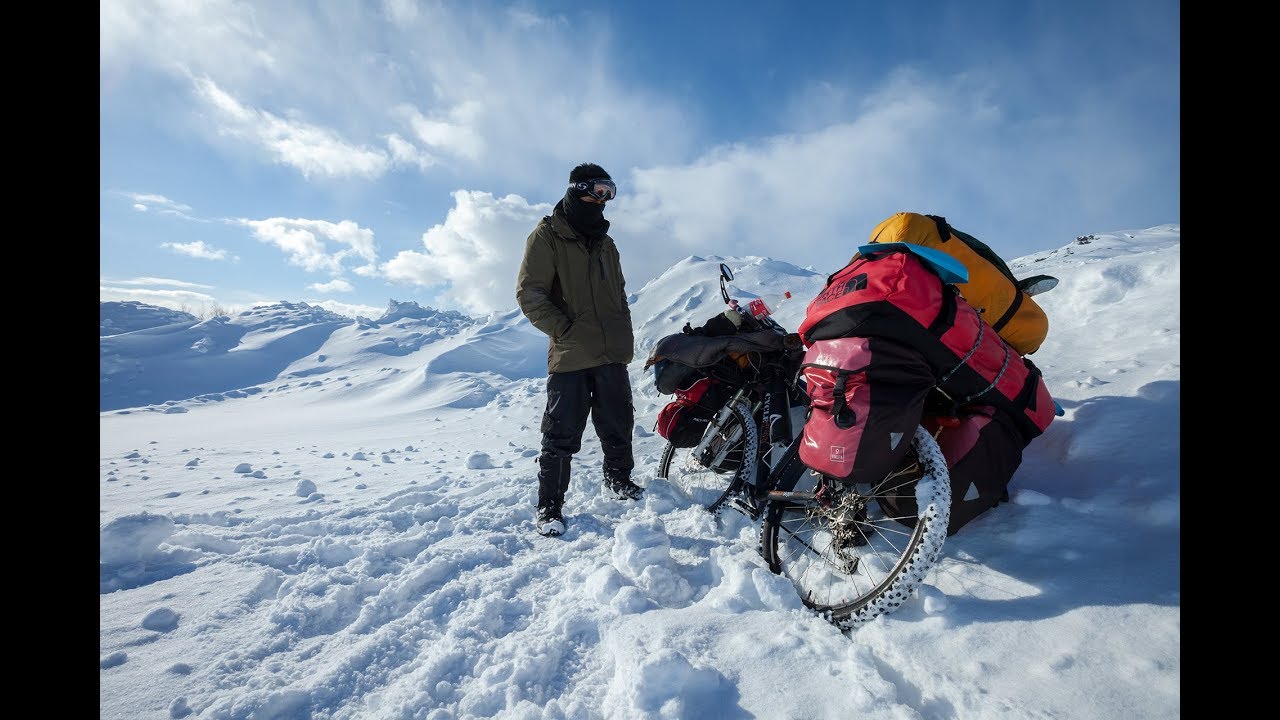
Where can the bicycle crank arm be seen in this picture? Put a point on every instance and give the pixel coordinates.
(792, 496)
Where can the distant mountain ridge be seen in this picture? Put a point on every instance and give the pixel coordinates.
(174, 356)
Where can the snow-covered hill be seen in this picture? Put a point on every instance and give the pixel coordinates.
(267, 348)
(122, 317)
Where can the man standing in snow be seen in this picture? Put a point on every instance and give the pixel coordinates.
(570, 286)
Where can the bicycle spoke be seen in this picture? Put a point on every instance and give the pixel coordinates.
(825, 556)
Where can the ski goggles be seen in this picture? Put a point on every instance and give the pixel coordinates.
(599, 188)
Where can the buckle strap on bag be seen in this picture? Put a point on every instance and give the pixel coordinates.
(843, 414)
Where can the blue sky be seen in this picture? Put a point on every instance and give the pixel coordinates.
(345, 154)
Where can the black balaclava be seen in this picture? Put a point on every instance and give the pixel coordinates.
(587, 218)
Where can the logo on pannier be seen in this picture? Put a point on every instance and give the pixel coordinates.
(857, 282)
(837, 453)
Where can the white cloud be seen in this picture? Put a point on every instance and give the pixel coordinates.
(816, 196)
(476, 251)
(161, 205)
(334, 285)
(172, 299)
(323, 91)
(232, 37)
(311, 149)
(406, 153)
(145, 202)
(155, 281)
(160, 201)
(453, 131)
(306, 242)
(401, 12)
(197, 249)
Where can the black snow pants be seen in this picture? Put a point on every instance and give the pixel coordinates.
(604, 394)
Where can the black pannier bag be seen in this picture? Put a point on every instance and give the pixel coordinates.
(670, 376)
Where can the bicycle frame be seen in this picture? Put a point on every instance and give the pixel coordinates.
(749, 493)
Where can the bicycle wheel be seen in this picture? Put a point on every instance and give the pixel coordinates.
(851, 559)
(715, 468)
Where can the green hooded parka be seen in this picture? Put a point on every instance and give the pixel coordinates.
(573, 290)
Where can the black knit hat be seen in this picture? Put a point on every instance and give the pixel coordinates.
(588, 171)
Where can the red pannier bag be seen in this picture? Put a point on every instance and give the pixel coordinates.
(866, 399)
(684, 419)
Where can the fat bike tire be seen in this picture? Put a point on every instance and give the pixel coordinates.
(723, 468)
(850, 560)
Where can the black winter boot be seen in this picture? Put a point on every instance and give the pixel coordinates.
(553, 481)
(549, 522)
(621, 486)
